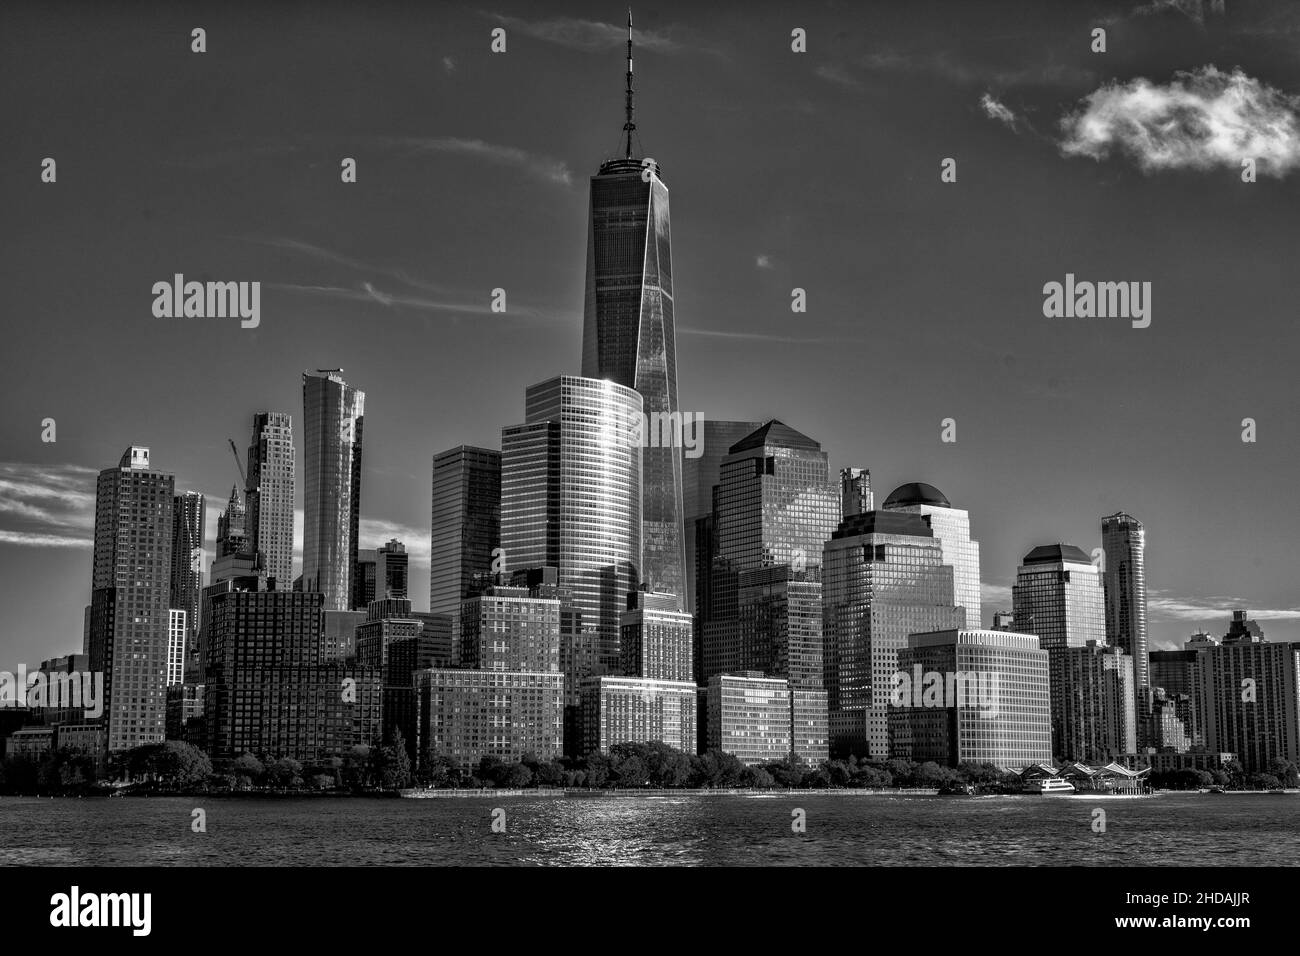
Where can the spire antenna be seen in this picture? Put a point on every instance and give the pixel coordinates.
(629, 126)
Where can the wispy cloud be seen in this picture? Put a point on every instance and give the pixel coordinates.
(966, 70)
(587, 35)
(762, 261)
(765, 337)
(1165, 605)
(448, 64)
(1199, 120)
(997, 596)
(542, 167)
(1195, 10)
(996, 110)
(834, 73)
(47, 505)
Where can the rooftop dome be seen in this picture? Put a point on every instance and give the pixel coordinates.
(916, 493)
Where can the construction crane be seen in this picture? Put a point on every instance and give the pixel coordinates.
(243, 481)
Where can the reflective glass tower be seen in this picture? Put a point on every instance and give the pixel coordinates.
(570, 496)
(1058, 596)
(951, 528)
(333, 414)
(628, 333)
(188, 521)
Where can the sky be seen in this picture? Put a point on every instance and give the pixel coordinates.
(818, 170)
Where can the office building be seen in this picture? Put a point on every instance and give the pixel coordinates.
(993, 709)
(951, 527)
(1058, 596)
(382, 572)
(177, 645)
(629, 338)
(1098, 711)
(700, 475)
(855, 492)
(466, 526)
(571, 493)
(883, 579)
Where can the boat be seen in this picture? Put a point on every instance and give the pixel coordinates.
(1048, 785)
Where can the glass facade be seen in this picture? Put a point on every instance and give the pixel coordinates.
(466, 525)
(883, 578)
(951, 527)
(1124, 583)
(1058, 596)
(748, 716)
(570, 497)
(628, 337)
(189, 515)
(699, 476)
(333, 419)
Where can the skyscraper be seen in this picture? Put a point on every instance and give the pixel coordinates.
(1124, 581)
(699, 476)
(1097, 713)
(382, 573)
(628, 332)
(188, 522)
(951, 528)
(776, 506)
(466, 525)
(884, 578)
(570, 494)
(333, 416)
(269, 495)
(1006, 721)
(130, 627)
(855, 492)
(1058, 596)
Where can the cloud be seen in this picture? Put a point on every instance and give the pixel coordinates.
(762, 261)
(1199, 120)
(996, 596)
(38, 540)
(836, 74)
(1163, 605)
(997, 111)
(587, 35)
(542, 167)
(368, 293)
(764, 337)
(1192, 9)
(47, 505)
(448, 64)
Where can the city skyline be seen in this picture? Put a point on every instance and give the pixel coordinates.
(1041, 386)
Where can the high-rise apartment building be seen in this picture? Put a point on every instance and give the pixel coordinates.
(269, 492)
(131, 586)
(188, 517)
(1098, 710)
(1250, 696)
(655, 638)
(333, 423)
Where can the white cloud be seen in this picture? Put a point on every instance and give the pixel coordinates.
(1199, 120)
(763, 261)
(448, 64)
(997, 111)
(543, 167)
(589, 35)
